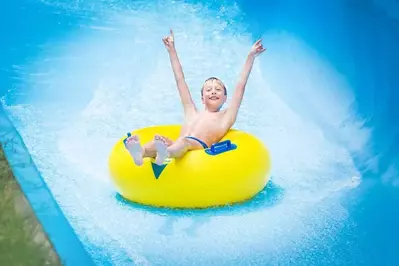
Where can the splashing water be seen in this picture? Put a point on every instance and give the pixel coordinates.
(113, 75)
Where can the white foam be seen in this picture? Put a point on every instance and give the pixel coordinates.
(124, 71)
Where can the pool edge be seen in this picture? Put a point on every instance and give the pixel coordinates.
(42, 202)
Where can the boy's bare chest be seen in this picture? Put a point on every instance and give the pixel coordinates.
(207, 121)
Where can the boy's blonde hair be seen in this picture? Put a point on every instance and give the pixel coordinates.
(211, 79)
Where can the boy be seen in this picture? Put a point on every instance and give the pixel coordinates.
(200, 129)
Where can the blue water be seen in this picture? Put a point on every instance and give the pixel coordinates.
(76, 75)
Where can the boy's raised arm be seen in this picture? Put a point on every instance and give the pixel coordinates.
(236, 100)
(184, 92)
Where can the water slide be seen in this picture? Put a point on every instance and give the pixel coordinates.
(77, 75)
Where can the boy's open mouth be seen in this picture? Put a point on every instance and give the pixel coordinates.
(214, 98)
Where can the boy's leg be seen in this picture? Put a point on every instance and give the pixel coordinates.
(149, 149)
(175, 150)
(138, 152)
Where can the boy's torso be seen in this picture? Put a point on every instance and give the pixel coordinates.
(206, 126)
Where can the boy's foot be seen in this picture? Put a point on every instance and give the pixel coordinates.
(133, 145)
(161, 147)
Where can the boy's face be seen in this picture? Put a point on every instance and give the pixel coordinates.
(213, 95)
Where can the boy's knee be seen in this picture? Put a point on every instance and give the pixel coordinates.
(186, 142)
(189, 144)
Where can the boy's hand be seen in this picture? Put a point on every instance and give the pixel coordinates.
(169, 41)
(257, 48)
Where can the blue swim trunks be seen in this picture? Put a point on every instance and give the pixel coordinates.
(200, 141)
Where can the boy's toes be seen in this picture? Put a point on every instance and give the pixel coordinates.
(162, 139)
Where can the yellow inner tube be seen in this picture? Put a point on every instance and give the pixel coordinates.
(198, 179)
